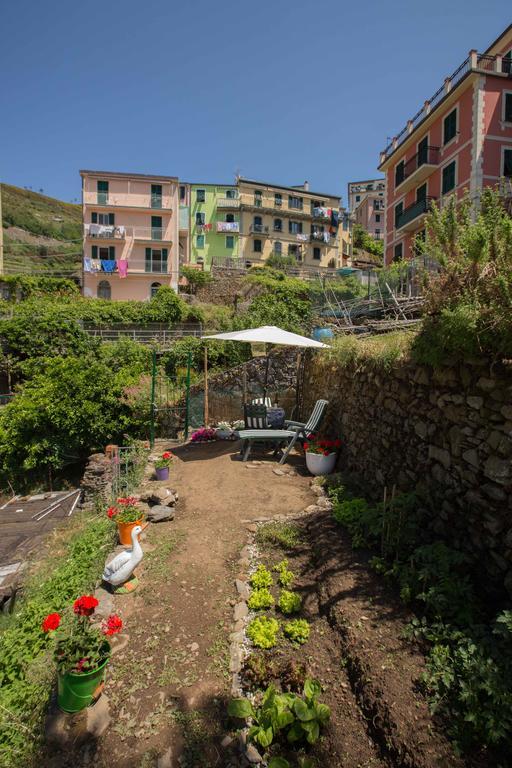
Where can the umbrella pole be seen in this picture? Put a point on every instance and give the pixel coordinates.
(266, 377)
(206, 414)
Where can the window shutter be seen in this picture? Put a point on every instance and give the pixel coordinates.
(111, 219)
(112, 252)
(94, 217)
(508, 107)
(164, 254)
(95, 252)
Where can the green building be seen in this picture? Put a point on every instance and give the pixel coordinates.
(214, 223)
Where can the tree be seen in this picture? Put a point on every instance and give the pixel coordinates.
(195, 278)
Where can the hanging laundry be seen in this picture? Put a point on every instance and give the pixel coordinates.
(122, 267)
(95, 265)
(108, 265)
(335, 218)
(87, 264)
(93, 229)
(327, 237)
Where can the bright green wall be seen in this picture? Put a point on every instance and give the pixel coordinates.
(214, 242)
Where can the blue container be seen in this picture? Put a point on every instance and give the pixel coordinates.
(322, 334)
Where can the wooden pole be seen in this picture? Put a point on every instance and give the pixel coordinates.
(206, 414)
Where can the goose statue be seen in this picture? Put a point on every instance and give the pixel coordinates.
(121, 567)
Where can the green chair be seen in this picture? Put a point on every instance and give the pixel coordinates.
(284, 438)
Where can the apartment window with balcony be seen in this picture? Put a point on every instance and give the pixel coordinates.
(230, 242)
(295, 202)
(421, 193)
(507, 163)
(448, 178)
(230, 194)
(200, 218)
(105, 219)
(104, 290)
(278, 225)
(102, 190)
(257, 246)
(295, 227)
(398, 253)
(278, 248)
(293, 250)
(258, 198)
(257, 224)
(317, 254)
(399, 173)
(156, 195)
(183, 192)
(278, 200)
(156, 228)
(156, 260)
(200, 241)
(230, 217)
(507, 107)
(200, 195)
(450, 126)
(104, 253)
(506, 65)
(399, 209)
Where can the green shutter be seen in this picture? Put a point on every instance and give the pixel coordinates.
(94, 217)
(450, 126)
(112, 252)
(95, 252)
(448, 178)
(148, 260)
(508, 107)
(111, 219)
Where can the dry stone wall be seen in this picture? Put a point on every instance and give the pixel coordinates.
(447, 430)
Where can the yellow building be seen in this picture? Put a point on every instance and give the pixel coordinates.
(290, 221)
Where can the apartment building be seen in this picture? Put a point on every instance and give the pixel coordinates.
(459, 140)
(358, 191)
(184, 223)
(131, 234)
(289, 221)
(214, 223)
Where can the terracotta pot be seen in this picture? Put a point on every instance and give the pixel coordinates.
(125, 532)
(318, 464)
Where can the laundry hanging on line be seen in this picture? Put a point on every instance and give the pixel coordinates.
(122, 267)
(95, 265)
(87, 264)
(108, 265)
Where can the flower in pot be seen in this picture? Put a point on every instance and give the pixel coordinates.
(321, 454)
(162, 465)
(126, 515)
(81, 652)
(203, 435)
(223, 430)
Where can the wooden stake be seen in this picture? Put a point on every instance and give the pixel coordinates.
(206, 414)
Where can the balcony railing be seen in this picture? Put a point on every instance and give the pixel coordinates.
(111, 232)
(427, 156)
(258, 229)
(105, 231)
(128, 200)
(231, 227)
(318, 237)
(228, 202)
(475, 62)
(412, 212)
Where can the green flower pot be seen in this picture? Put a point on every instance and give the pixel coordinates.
(76, 692)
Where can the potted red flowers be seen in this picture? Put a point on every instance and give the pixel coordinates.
(126, 515)
(321, 454)
(162, 466)
(81, 652)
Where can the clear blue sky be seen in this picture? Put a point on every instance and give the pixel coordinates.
(281, 90)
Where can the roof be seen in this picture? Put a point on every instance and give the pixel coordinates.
(498, 39)
(289, 188)
(210, 184)
(381, 180)
(124, 175)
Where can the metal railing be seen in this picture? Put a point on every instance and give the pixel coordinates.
(228, 202)
(111, 232)
(128, 200)
(258, 229)
(230, 227)
(413, 211)
(427, 156)
(161, 337)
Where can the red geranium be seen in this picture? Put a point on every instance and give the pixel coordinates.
(85, 605)
(112, 625)
(51, 622)
(167, 455)
(129, 501)
(112, 511)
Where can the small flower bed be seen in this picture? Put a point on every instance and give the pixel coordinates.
(126, 511)
(164, 461)
(203, 435)
(321, 445)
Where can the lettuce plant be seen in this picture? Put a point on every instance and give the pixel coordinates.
(289, 602)
(260, 599)
(297, 631)
(261, 578)
(286, 576)
(263, 631)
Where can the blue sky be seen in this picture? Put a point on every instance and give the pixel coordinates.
(281, 90)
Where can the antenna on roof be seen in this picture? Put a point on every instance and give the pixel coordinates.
(237, 175)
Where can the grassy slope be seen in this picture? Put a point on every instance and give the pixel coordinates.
(51, 237)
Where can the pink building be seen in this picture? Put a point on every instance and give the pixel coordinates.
(370, 215)
(461, 139)
(131, 234)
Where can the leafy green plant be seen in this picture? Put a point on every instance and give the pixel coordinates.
(289, 602)
(278, 534)
(285, 576)
(260, 599)
(297, 631)
(261, 577)
(262, 631)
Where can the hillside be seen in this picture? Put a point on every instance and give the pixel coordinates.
(42, 235)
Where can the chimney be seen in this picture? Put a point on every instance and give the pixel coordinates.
(306, 186)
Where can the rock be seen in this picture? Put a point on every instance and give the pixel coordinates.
(440, 455)
(194, 647)
(252, 754)
(278, 471)
(485, 384)
(106, 604)
(421, 429)
(241, 611)
(165, 760)
(98, 717)
(471, 457)
(318, 490)
(498, 470)
(160, 513)
(475, 402)
(226, 741)
(243, 589)
(324, 503)
(161, 496)
(119, 642)
(506, 411)
(312, 508)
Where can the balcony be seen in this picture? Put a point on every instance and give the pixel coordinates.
(111, 232)
(228, 202)
(318, 238)
(258, 229)
(105, 231)
(418, 168)
(231, 227)
(410, 219)
(128, 200)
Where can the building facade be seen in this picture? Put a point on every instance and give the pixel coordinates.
(289, 221)
(370, 214)
(131, 234)
(358, 191)
(214, 223)
(459, 141)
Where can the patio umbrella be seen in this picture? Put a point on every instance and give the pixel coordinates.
(268, 334)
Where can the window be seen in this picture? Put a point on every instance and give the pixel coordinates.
(316, 254)
(257, 246)
(377, 218)
(200, 218)
(293, 250)
(230, 217)
(421, 193)
(257, 224)
(258, 198)
(156, 195)
(199, 241)
(399, 209)
(230, 194)
(105, 253)
(399, 252)
(230, 242)
(507, 163)
(183, 192)
(156, 228)
(200, 195)
(153, 289)
(450, 126)
(156, 260)
(377, 234)
(278, 225)
(278, 248)
(278, 199)
(104, 290)
(102, 188)
(358, 198)
(295, 202)
(422, 151)
(295, 227)
(506, 65)
(399, 173)
(106, 219)
(507, 107)
(448, 182)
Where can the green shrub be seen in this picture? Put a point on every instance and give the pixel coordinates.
(297, 631)
(262, 631)
(260, 599)
(289, 602)
(261, 577)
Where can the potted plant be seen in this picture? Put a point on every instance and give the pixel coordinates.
(126, 515)
(162, 466)
(237, 426)
(203, 435)
(81, 652)
(321, 454)
(223, 430)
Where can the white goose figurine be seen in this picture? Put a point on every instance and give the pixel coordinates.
(121, 567)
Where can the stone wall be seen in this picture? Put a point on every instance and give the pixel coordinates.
(97, 479)
(448, 430)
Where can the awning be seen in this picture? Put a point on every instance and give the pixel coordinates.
(269, 334)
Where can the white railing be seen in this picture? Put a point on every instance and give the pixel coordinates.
(111, 232)
(228, 226)
(128, 200)
(228, 202)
